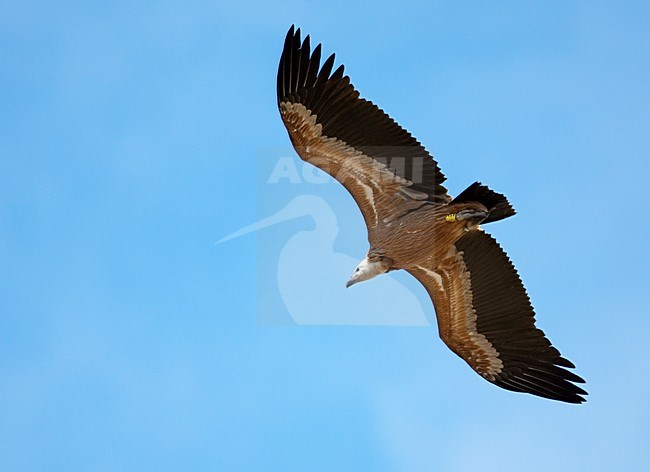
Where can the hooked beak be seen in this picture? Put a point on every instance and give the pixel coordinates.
(350, 283)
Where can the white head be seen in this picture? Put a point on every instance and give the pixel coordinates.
(368, 269)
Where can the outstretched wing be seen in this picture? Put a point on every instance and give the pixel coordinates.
(485, 316)
(385, 169)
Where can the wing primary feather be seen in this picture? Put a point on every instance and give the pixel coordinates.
(532, 387)
(325, 71)
(312, 71)
(553, 382)
(280, 80)
(338, 73)
(559, 371)
(304, 63)
(285, 64)
(565, 362)
(286, 56)
(295, 62)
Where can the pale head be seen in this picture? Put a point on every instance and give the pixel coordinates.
(367, 269)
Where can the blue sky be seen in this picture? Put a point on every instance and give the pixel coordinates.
(133, 136)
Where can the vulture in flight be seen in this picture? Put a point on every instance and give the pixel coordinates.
(483, 311)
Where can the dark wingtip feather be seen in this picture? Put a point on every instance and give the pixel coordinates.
(325, 71)
(565, 362)
(338, 73)
(282, 90)
(295, 62)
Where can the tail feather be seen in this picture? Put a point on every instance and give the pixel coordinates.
(496, 203)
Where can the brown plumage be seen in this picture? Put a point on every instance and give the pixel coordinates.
(483, 311)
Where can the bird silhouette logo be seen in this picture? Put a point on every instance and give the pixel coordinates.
(311, 275)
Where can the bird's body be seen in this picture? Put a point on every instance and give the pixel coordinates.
(421, 235)
(484, 314)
